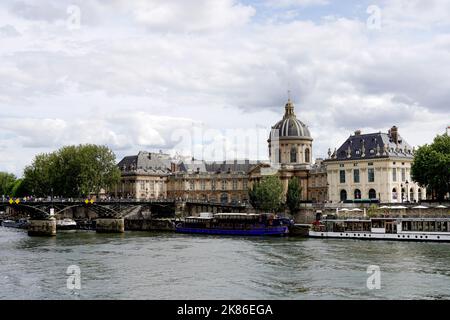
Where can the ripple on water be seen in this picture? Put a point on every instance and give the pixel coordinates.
(145, 265)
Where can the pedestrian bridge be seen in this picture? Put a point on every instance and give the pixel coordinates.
(117, 208)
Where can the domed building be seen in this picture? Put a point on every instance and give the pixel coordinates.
(290, 151)
(290, 141)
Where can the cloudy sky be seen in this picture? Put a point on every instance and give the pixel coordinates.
(210, 77)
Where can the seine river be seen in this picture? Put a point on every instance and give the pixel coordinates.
(144, 265)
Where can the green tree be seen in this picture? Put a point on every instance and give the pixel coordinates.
(19, 189)
(267, 195)
(431, 166)
(294, 195)
(6, 183)
(73, 171)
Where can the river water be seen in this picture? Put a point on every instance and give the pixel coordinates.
(148, 265)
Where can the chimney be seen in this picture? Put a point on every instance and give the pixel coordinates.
(357, 132)
(394, 134)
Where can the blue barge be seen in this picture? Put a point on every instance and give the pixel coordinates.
(241, 224)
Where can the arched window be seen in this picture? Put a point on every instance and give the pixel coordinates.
(372, 194)
(403, 194)
(357, 194)
(420, 194)
(394, 194)
(293, 155)
(307, 156)
(411, 194)
(343, 195)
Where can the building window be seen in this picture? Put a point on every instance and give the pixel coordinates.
(293, 155)
(307, 156)
(213, 185)
(403, 174)
(343, 195)
(203, 184)
(341, 165)
(356, 176)
(224, 184)
(420, 194)
(235, 184)
(370, 164)
(372, 194)
(394, 174)
(394, 194)
(342, 176)
(142, 185)
(411, 194)
(357, 194)
(224, 198)
(371, 175)
(191, 185)
(244, 185)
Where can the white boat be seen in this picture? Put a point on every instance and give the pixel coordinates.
(20, 224)
(66, 224)
(412, 229)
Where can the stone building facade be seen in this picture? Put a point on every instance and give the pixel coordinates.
(153, 176)
(317, 182)
(373, 166)
(225, 182)
(144, 176)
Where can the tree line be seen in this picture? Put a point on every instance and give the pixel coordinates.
(69, 172)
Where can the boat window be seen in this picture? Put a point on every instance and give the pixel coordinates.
(432, 226)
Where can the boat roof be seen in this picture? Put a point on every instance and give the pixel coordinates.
(200, 218)
(392, 218)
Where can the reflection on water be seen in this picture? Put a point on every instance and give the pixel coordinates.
(144, 265)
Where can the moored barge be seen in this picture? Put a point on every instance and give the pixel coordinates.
(241, 224)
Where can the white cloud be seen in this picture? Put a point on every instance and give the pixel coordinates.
(130, 78)
(299, 3)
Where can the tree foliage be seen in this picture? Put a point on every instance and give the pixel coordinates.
(294, 195)
(72, 171)
(267, 195)
(431, 166)
(7, 181)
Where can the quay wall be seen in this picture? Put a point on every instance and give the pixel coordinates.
(149, 225)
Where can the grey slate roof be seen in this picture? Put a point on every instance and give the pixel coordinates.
(158, 163)
(230, 166)
(372, 146)
(146, 162)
